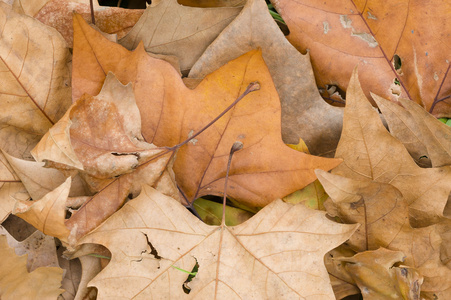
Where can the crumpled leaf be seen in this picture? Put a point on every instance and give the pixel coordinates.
(39, 180)
(100, 136)
(35, 90)
(40, 249)
(111, 20)
(420, 132)
(304, 113)
(175, 113)
(370, 152)
(371, 34)
(47, 214)
(172, 29)
(378, 278)
(17, 283)
(382, 211)
(11, 188)
(276, 255)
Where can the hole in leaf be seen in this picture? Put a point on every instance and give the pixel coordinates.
(191, 276)
(153, 250)
(397, 62)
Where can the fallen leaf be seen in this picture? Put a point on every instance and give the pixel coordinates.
(35, 90)
(420, 132)
(383, 215)
(370, 152)
(40, 249)
(72, 275)
(39, 180)
(17, 283)
(261, 172)
(11, 188)
(172, 29)
(111, 20)
(373, 35)
(47, 214)
(378, 278)
(304, 113)
(153, 233)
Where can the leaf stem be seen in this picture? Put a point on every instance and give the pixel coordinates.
(236, 147)
(253, 86)
(93, 20)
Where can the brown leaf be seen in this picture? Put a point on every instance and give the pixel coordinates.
(111, 20)
(382, 211)
(17, 283)
(304, 113)
(277, 257)
(172, 29)
(420, 132)
(11, 188)
(39, 180)
(47, 214)
(370, 152)
(35, 90)
(261, 172)
(378, 278)
(72, 275)
(345, 33)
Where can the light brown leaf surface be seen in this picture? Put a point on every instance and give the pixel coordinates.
(304, 113)
(270, 256)
(172, 29)
(382, 211)
(212, 3)
(420, 132)
(11, 188)
(378, 278)
(35, 89)
(370, 152)
(264, 170)
(47, 214)
(17, 283)
(39, 180)
(111, 20)
(345, 33)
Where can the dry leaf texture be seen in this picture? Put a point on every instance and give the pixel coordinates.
(270, 256)
(266, 169)
(370, 152)
(35, 89)
(172, 29)
(304, 112)
(344, 33)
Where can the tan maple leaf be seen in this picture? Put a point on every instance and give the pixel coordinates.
(370, 152)
(276, 254)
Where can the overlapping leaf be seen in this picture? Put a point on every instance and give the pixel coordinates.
(264, 170)
(153, 233)
(304, 112)
(370, 152)
(35, 89)
(374, 34)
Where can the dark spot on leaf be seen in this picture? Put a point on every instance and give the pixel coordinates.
(153, 250)
(185, 285)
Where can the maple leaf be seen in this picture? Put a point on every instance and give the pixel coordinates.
(262, 171)
(17, 283)
(304, 113)
(35, 90)
(403, 40)
(152, 233)
(160, 31)
(111, 20)
(422, 134)
(370, 152)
